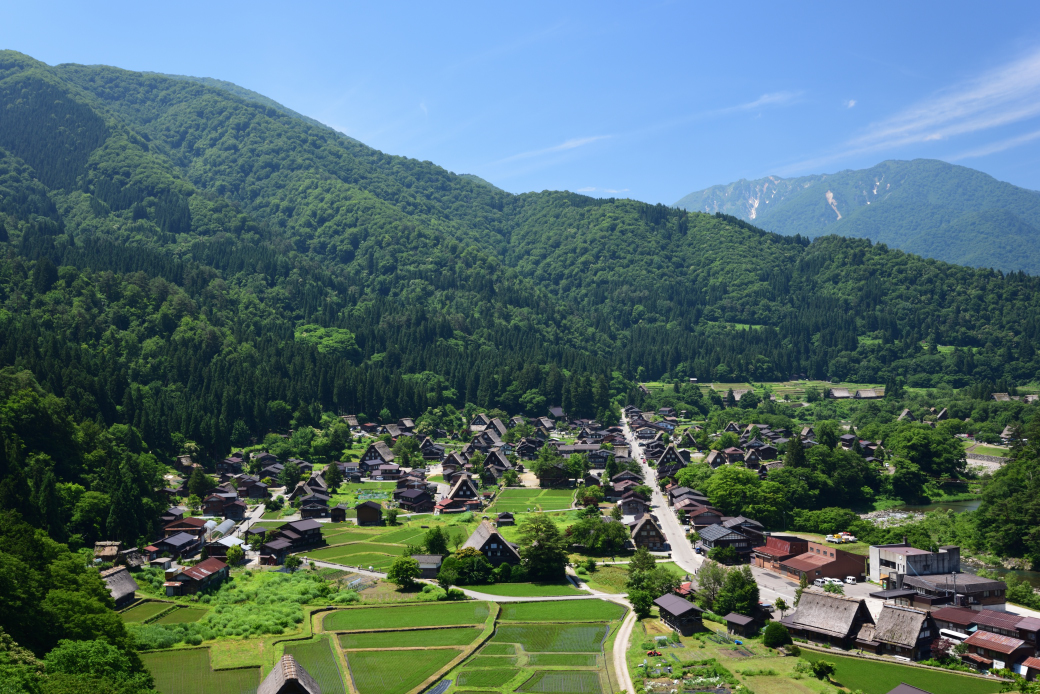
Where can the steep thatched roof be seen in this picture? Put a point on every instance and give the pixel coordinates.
(119, 581)
(899, 625)
(288, 677)
(828, 613)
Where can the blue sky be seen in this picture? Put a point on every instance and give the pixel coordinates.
(642, 100)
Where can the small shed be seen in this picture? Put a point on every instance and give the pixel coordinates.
(429, 564)
(369, 513)
(741, 625)
(505, 518)
(681, 615)
(339, 513)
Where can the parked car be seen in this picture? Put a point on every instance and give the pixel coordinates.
(851, 580)
(820, 582)
(833, 581)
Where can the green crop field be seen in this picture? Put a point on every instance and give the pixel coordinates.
(459, 636)
(145, 610)
(403, 536)
(188, 672)
(562, 611)
(486, 678)
(428, 615)
(492, 661)
(562, 682)
(183, 615)
(317, 658)
(554, 638)
(364, 548)
(528, 590)
(521, 500)
(498, 649)
(395, 672)
(563, 660)
(874, 677)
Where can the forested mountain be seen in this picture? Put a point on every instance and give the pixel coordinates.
(195, 262)
(924, 206)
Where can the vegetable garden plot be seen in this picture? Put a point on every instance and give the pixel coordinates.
(425, 615)
(562, 682)
(395, 672)
(458, 636)
(554, 638)
(317, 658)
(486, 678)
(188, 671)
(562, 611)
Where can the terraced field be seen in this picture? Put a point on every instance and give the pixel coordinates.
(422, 638)
(317, 658)
(425, 615)
(144, 610)
(486, 678)
(523, 500)
(562, 611)
(554, 638)
(562, 682)
(187, 671)
(395, 672)
(183, 615)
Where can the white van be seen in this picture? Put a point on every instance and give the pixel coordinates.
(851, 580)
(820, 582)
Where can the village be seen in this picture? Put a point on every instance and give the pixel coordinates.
(891, 600)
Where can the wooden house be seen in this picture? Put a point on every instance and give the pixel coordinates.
(121, 585)
(902, 632)
(680, 615)
(828, 618)
(647, 533)
(369, 513)
(486, 540)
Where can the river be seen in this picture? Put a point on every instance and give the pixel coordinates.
(955, 506)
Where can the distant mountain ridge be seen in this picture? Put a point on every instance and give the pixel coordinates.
(924, 206)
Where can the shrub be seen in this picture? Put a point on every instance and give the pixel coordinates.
(776, 635)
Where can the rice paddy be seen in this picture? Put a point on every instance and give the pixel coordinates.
(554, 638)
(522, 500)
(562, 611)
(395, 672)
(182, 615)
(144, 610)
(486, 678)
(420, 638)
(562, 682)
(562, 660)
(317, 658)
(425, 615)
(187, 671)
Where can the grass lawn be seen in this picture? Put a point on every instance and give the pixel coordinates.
(426, 615)
(562, 611)
(673, 567)
(554, 638)
(144, 610)
(874, 677)
(525, 590)
(183, 615)
(521, 500)
(608, 578)
(187, 671)
(458, 636)
(486, 678)
(562, 682)
(982, 449)
(395, 672)
(319, 661)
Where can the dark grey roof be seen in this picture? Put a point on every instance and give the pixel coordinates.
(303, 525)
(179, 540)
(714, 533)
(951, 582)
(742, 620)
(905, 688)
(675, 605)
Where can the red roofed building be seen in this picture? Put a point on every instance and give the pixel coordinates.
(777, 549)
(1000, 651)
(822, 561)
(190, 580)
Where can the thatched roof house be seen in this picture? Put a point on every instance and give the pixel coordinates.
(288, 677)
(828, 618)
(120, 584)
(900, 631)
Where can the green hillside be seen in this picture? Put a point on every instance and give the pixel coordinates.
(927, 207)
(195, 261)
